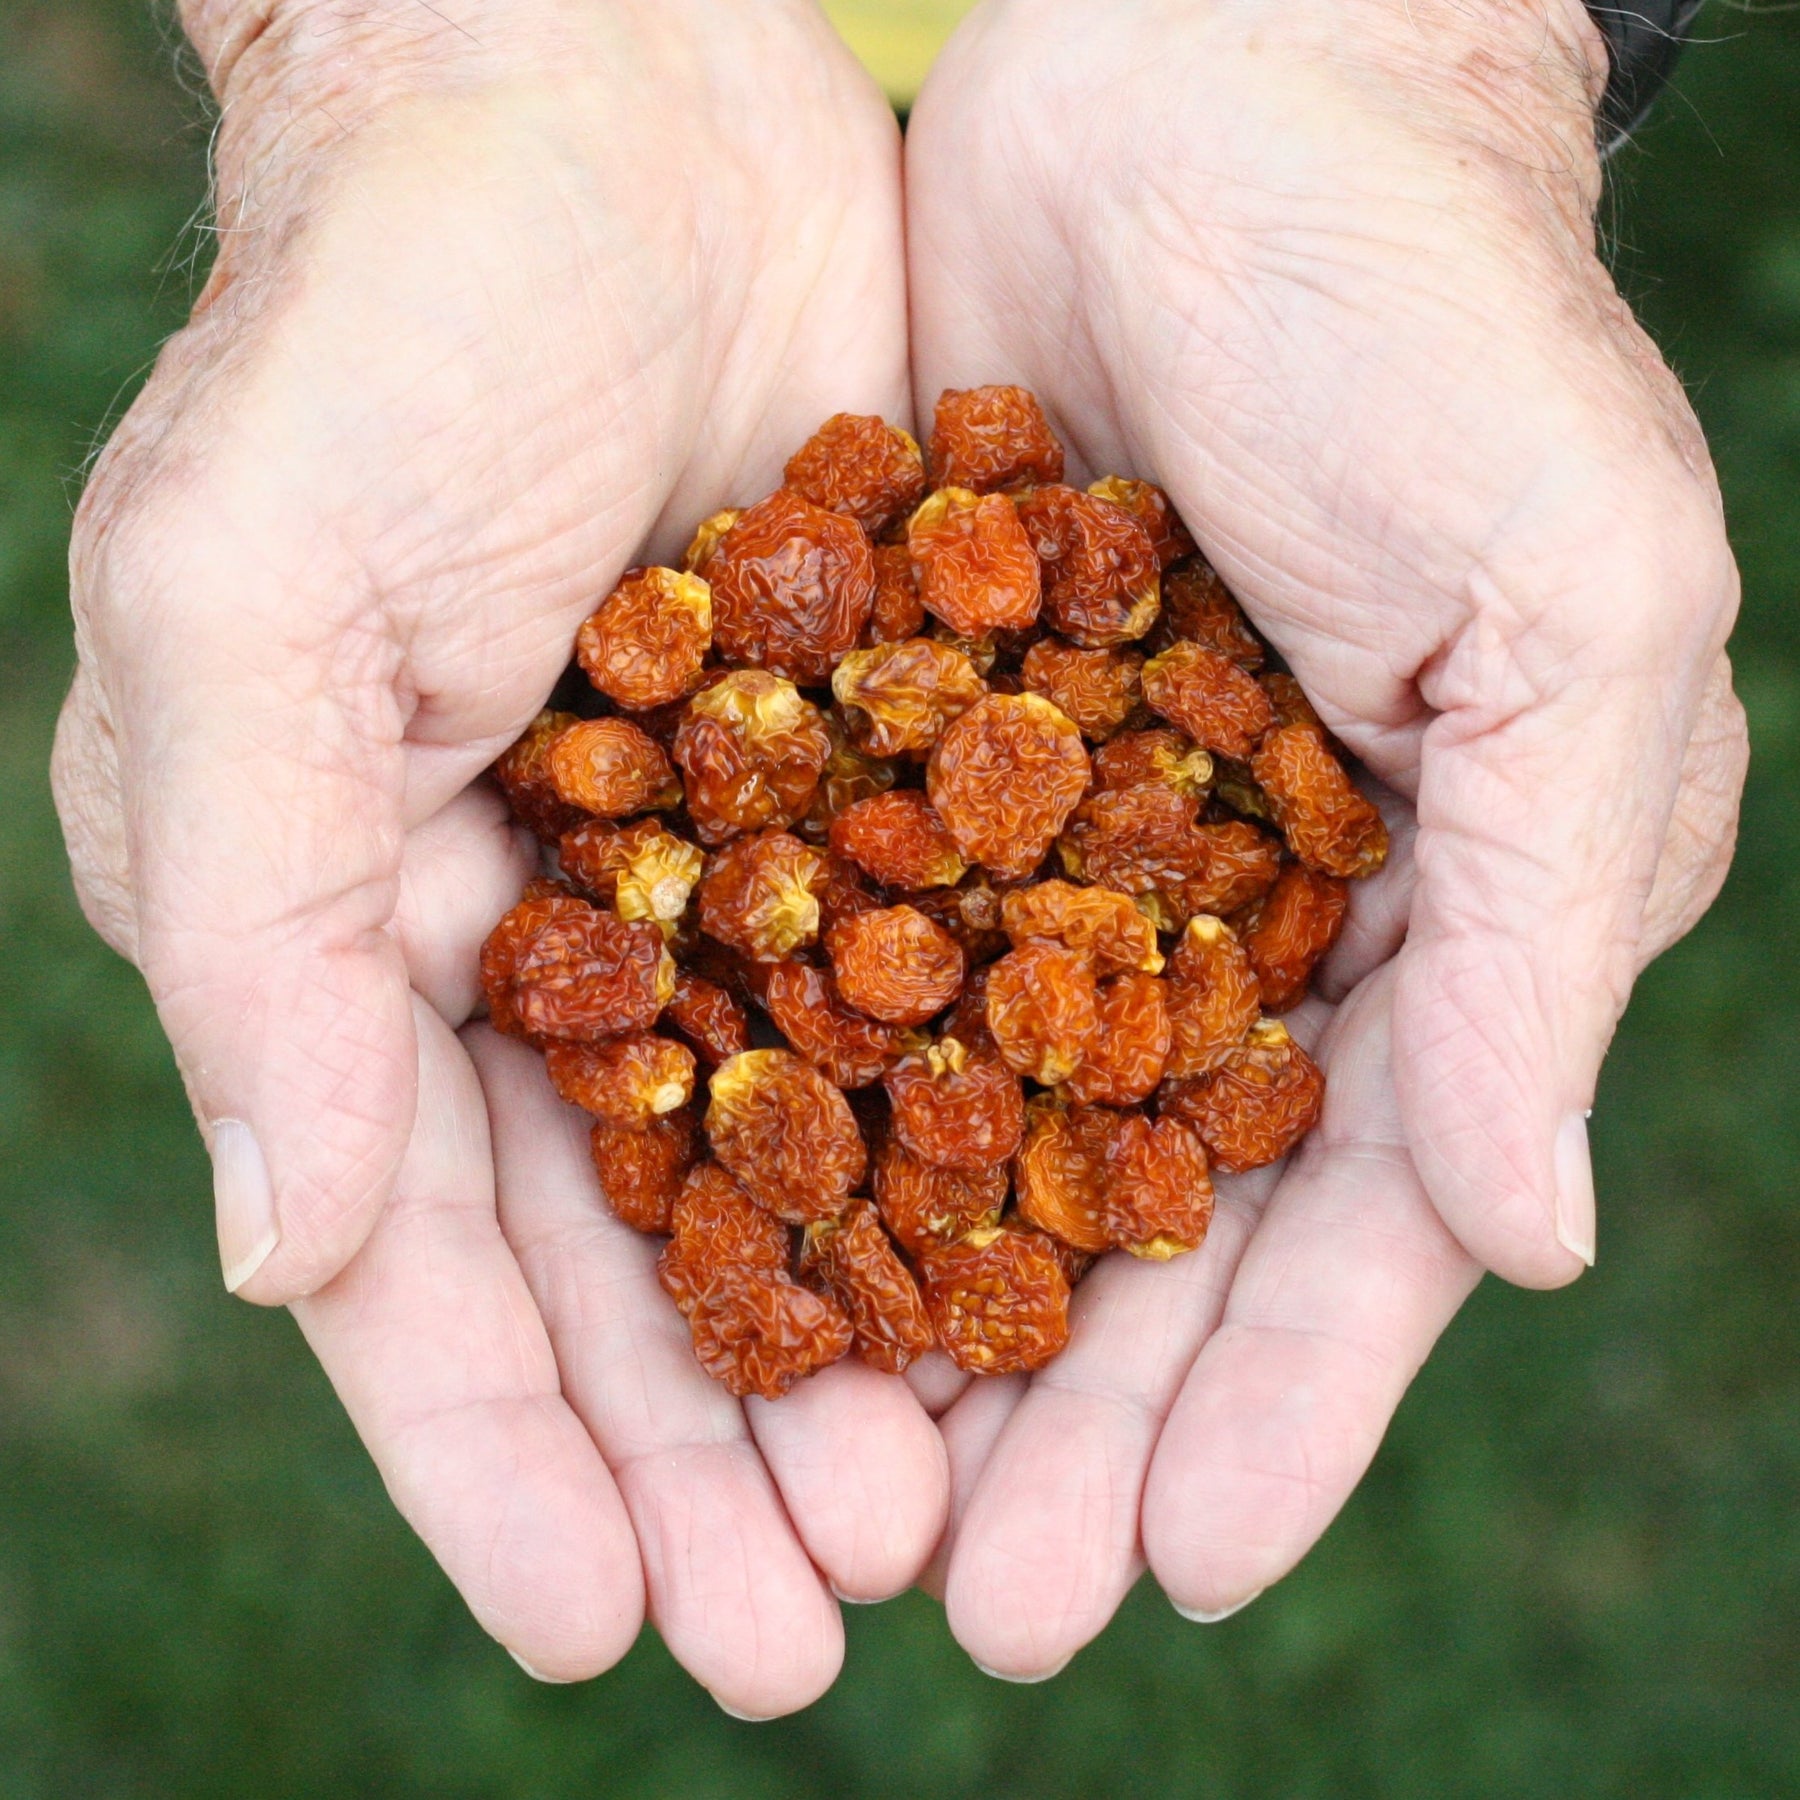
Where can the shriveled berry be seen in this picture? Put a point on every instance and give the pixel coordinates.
(1256, 1105)
(1130, 1049)
(1198, 607)
(1042, 1009)
(1238, 865)
(846, 891)
(1289, 930)
(898, 611)
(970, 913)
(974, 563)
(1156, 755)
(851, 774)
(523, 772)
(899, 839)
(1098, 689)
(1102, 581)
(1209, 697)
(1328, 824)
(898, 697)
(925, 1206)
(641, 1172)
(1135, 839)
(895, 965)
(1103, 924)
(658, 871)
(1061, 1172)
(591, 858)
(848, 1047)
(1213, 997)
(625, 1081)
(786, 1133)
(714, 1225)
(998, 1299)
(611, 768)
(1159, 1196)
(792, 588)
(760, 895)
(645, 645)
(707, 1017)
(861, 466)
(759, 1334)
(956, 1107)
(1149, 505)
(851, 1259)
(708, 537)
(989, 438)
(503, 953)
(573, 971)
(1289, 700)
(1004, 777)
(751, 750)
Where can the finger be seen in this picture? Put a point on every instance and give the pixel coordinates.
(863, 1473)
(1047, 1545)
(1340, 1295)
(435, 1348)
(970, 1429)
(730, 1587)
(937, 1382)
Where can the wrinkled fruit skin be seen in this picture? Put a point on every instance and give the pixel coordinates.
(1290, 929)
(1098, 689)
(1213, 996)
(628, 1081)
(1129, 1053)
(990, 439)
(563, 969)
(713, 1226)
(899, 840)
(1256, 1105)
(523, 772)
(751, 750)
(641, 1172)
(1102, 581)
(895, 965)
(862, 466)
(999, 1301)
(1042, 1009)
(760, 896)
(974, 564)
(610, 768)
(786, 1134)
(1328, 824)
(1197, 606)
(847, 1047)
(852, 1260)
(1149, 505)
(1210, 698)
(959, 1109)
(900, 696)
(759, 1334)
(645, 645)
(927, 1207)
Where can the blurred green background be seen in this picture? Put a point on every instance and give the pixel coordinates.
(1574, 1569)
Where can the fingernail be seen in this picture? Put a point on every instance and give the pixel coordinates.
(1022, 1680)
(243, 1201)
(731, 1712)
(1575, 1189)
(547, 1680)
(1212, 1618)
(859, 1599)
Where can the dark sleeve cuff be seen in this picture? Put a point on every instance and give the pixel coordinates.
(1644, 37)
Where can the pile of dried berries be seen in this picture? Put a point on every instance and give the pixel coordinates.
(930, 865)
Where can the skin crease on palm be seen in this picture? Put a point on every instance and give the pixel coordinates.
(488, 322)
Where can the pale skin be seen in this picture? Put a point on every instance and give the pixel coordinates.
(500, 303)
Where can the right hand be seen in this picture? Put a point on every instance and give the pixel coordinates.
(497, 304)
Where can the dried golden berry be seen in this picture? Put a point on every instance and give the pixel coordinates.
(999, 1301)
(641, 1172)
(563, 969)
(626, 1081)
(1060, 1174)
(1256, 1105)
(1098, 689)
(1004, 778)
(1149, 505)
(708, 538)
(989, 438)
(611, 768)
(759, 1334)
(1042, 1009)
(1288, 931)
(792, 588)
(1209, 697)
(851, 774)
(846, 892)
(898, 698)
(1289, 700)
(926, 1207)
(591, 858)
(523, 772)
(1103, 924)
(899, 839)
(1159, 1195)
(849, 1048)
(1073, 1263)
(751, 751)
(1137, 838)
(1328, 824)
(974, 563)
(862, 466)
(898, 612)
(956, 1107)
(1102, 582)
(707, 1017)
(1196, 606)
(645, 645)
(1135, 757)
(658, 872)
(1213, 997)
(851, 1259)
(1130, 1051)
(714, 1225)
(895, 965)
(1238, 865)
(760, 896)
(786, 1133)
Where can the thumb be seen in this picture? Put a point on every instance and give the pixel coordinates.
(1546, 786)
(257, 737)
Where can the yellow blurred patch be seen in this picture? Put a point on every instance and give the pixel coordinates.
(897, 39)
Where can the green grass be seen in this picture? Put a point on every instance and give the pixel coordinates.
(1574, 1569)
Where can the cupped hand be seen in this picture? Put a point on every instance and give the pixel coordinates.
(1328, 273)
(499, 301)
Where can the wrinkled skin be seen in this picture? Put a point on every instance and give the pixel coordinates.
(1327, 274)
(451, 375)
